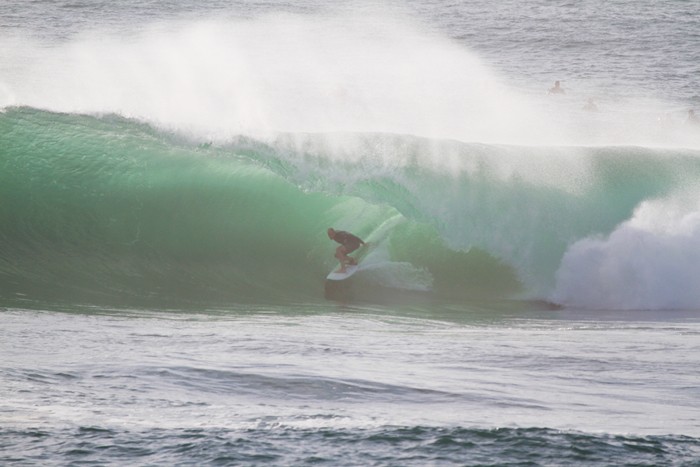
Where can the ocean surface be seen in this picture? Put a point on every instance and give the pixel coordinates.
(530, 294)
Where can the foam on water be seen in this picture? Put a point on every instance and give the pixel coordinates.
(651, 261)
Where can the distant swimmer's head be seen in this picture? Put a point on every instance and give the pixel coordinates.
(331, 233)
(557, 89)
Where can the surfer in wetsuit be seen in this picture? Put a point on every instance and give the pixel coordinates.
(348, 244)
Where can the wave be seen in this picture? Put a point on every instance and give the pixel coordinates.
(108, 208)
(203, 159)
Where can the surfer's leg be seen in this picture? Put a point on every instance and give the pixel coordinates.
(349, 249)
(342, 257)
(340, 253)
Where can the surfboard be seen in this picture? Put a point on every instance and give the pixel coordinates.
(339, 276)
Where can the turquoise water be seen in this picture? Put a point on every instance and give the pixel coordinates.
(110, 210)
(168, 171)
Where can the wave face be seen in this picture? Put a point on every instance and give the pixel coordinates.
(110, 208)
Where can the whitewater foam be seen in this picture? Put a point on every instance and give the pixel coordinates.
(651, 261)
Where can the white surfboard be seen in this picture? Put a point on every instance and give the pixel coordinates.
(339, 276)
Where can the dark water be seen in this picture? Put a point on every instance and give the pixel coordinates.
(387, 446)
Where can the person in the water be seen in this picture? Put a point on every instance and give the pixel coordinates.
(557, 89)
(348, 244)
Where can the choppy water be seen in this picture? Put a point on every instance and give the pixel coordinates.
(352, 386)
(168, 171)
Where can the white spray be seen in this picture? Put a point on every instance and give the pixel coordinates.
(651, 261)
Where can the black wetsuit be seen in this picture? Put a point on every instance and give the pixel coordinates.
(348, 240)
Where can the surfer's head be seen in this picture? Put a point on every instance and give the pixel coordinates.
(331, 233)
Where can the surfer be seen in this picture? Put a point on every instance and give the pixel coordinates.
(348, 244)
(557, 89)
(692, 118)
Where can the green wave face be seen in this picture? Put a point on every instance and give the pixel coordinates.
(111, 210)
(107, 207)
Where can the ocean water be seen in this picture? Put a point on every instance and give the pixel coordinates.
(531, 292)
